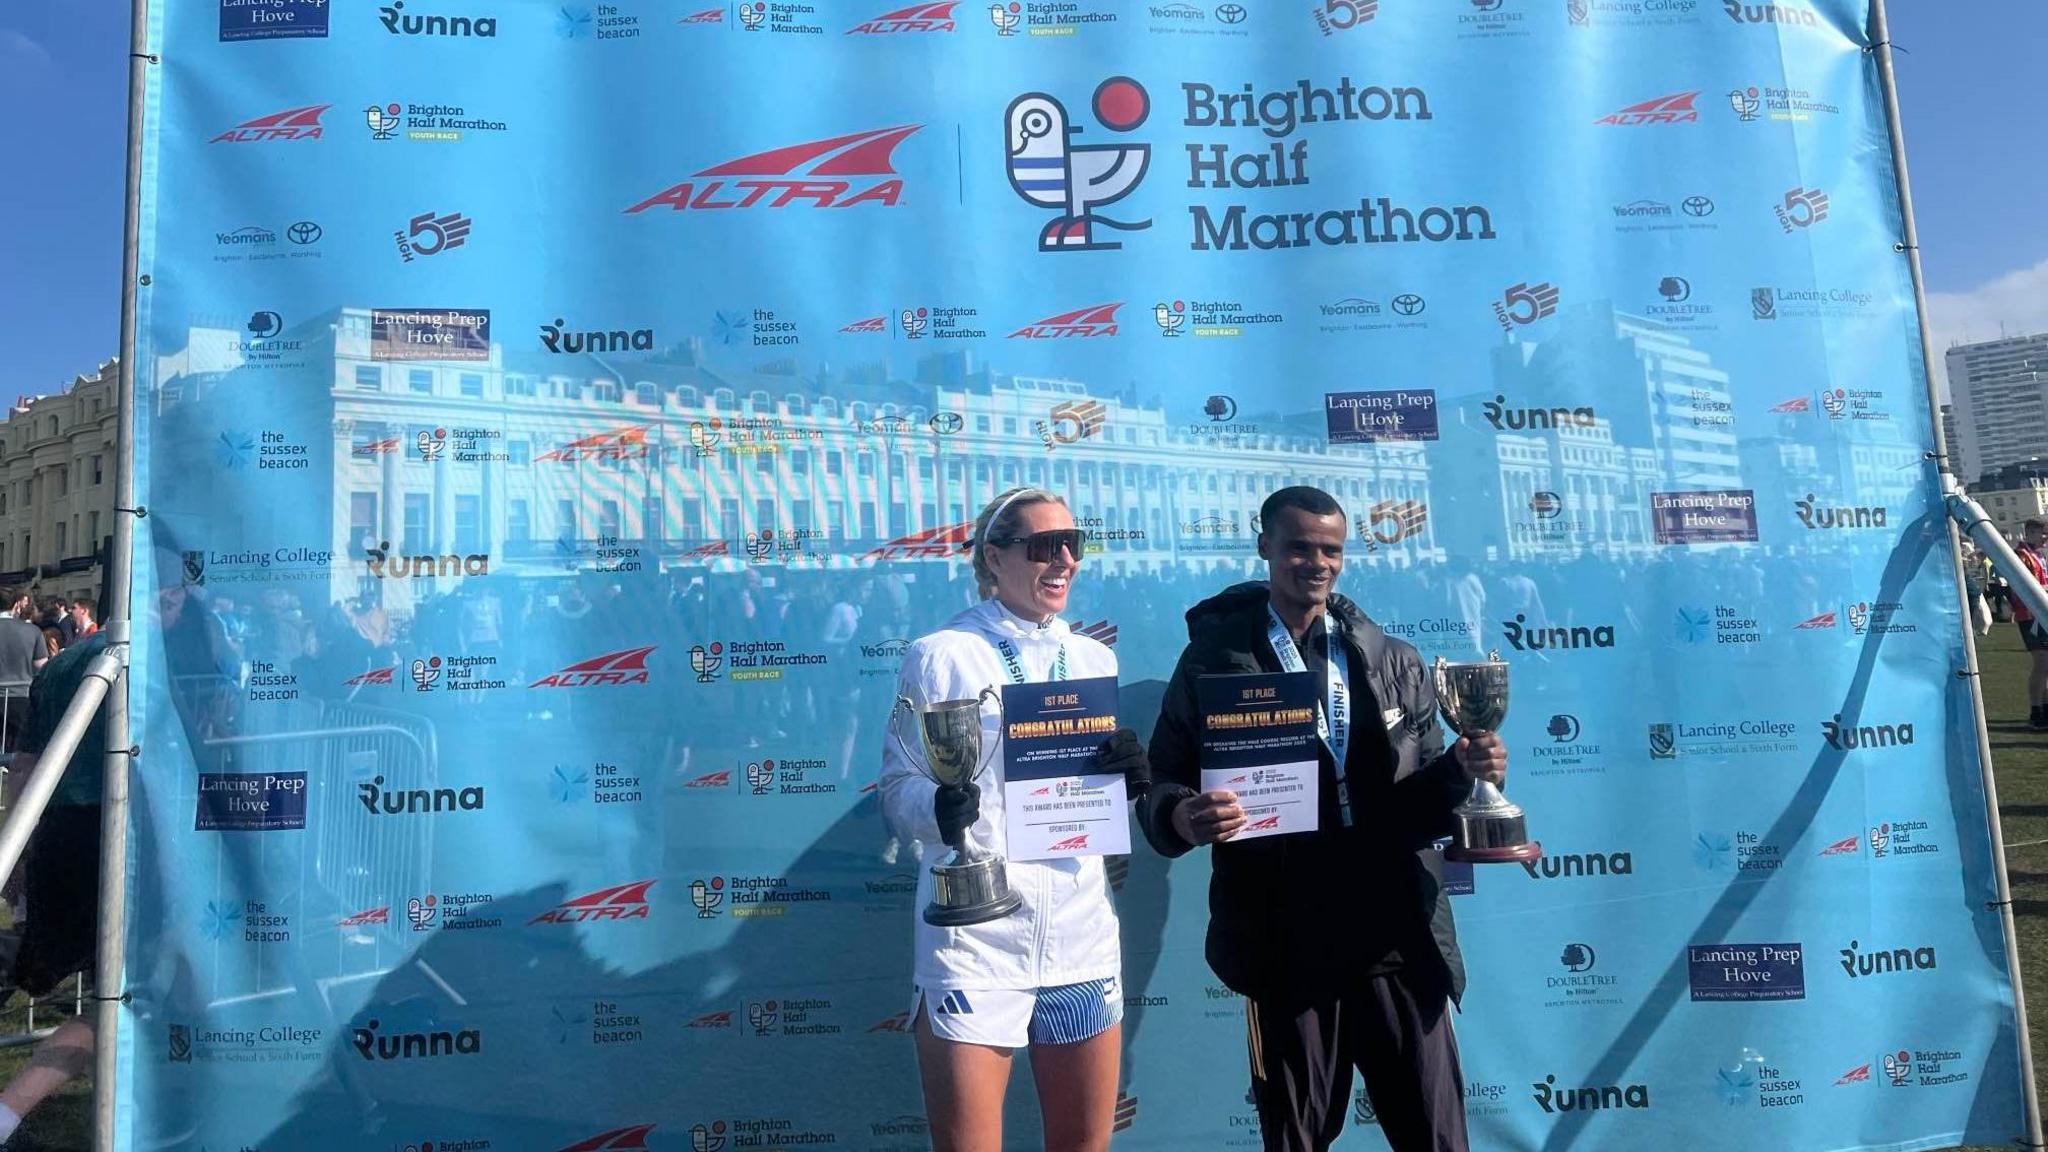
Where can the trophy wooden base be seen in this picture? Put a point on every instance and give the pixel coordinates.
(1510, 854)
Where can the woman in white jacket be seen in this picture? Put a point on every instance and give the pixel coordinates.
(1047, 976)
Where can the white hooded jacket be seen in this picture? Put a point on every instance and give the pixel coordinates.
(1066, 931)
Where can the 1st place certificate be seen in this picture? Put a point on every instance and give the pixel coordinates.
(1259, 741)
(1057, 801)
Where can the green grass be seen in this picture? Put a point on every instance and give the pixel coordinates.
(62, 1123)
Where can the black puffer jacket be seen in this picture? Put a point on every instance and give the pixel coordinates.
(1286, 912)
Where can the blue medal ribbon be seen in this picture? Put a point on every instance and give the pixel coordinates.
(1333, 719)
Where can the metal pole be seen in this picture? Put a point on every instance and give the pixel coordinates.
(109, 976)
(101, 674)
(1881, 48)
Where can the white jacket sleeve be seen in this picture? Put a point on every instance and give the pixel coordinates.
(907, 790)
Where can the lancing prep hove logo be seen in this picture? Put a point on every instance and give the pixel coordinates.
(1048, 169)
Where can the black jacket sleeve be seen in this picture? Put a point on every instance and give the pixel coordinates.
(1176, 755)
(1426, 797)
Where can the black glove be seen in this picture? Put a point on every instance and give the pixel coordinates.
(1124, 755)
(956, 807)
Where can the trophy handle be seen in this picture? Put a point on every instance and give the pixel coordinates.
(991, 692)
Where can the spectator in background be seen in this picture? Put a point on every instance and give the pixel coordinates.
(61, 871)
(53, 643)
(78, 622)
(2033, 632)
(21, 650)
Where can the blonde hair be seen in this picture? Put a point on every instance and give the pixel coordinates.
(998, 521)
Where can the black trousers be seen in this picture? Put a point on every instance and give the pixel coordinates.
(1396, 1030)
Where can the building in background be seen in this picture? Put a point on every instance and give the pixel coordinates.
(57, 487)
(2012, 495)
(1999, 390)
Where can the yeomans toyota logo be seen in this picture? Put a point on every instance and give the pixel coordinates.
(839, 172)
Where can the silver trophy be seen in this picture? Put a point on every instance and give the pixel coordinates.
(971, 885)
(1473, 697)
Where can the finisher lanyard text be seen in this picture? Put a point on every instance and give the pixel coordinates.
(1014, 665)
(1333, 720)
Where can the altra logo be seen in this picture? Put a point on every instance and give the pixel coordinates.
(624, 444)
(372, 677)
(613, 668)
(1846, 846)
(707, 16)
(1070, 844)
(929, 544)
(916, 18)
(616, 1140)
(1094, 320)
(619, 902)
(290, 124)
(367, 918)
(817, 174)
(1673, 109)
(719, 779)
(1048, 169)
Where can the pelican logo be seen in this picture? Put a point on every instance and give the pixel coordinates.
(760, 545)
(1047, 169)
(705, 662)
(913, 321)
(761, 777)
(383, 121)
(752, 16)
(707, 896)
(421, 912)
(709, 1138)
(815, 173)
(1170, 317)
(761, 1016)
(1898, 1068)
(432, 445)
(425, 673)
(1006, 17)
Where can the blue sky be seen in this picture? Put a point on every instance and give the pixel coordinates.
(1966, 82)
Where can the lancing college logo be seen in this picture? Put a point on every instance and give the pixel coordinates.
(1048, 169)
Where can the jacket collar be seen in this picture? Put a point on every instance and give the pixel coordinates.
(993, 618)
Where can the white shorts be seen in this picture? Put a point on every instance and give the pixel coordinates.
(1014, 1018)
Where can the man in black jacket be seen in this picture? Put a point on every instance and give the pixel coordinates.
(1340, 939)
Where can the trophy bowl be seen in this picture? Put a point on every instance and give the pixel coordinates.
(1486, 827)
(970, 885)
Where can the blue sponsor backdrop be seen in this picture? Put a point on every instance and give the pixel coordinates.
(555, 419)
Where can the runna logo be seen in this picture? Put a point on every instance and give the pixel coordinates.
(414, 1045)
(707, 896)
(1551, 1098)
(1525, 304)
(1048, 169)
(916, 18)
(290, 124)
(397, 23)
(616, 1140)
(1527, 638)
(1094, 320)
(1673, 109)
(619, 902)
(1802, 208)
(1392, 521)
(611, 669)
(818, 173)
(1857, 963)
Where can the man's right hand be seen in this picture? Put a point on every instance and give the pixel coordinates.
(1207, 817)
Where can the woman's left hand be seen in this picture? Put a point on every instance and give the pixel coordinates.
(1124, 755)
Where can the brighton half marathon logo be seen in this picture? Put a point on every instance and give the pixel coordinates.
(916, 18)
(818, 173)
(619, 902)
(290, 124)
(1048, 169)
(609, 670)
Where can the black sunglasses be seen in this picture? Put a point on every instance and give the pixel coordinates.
(1041, 547)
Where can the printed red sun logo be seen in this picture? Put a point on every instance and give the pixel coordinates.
(373, 676)
(1841, 847)
(1673, 109)
(819, 174)
(1094, 320)
(616, 1140)
(290, 124)
(916, 18)
(611, 669)
(619, 902)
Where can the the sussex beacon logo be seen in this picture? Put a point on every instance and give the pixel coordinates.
(290, 124)
(841, 172)
(1048, 169)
